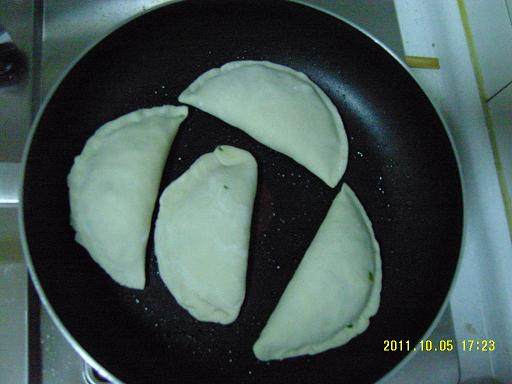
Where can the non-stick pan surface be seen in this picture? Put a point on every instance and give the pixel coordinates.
(401, 166)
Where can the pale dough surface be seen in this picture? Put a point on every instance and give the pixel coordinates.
(278, 106)
(334, 291)
(202, 233)
(113, 186)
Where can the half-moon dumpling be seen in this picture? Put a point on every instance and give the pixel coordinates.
(334, 291)
(113, 186)
(202, 233)
(278, 106)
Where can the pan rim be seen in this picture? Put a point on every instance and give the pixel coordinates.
(21, 223)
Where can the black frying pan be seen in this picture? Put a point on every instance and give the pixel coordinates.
(401, 166)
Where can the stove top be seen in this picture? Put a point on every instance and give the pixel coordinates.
(62, 30)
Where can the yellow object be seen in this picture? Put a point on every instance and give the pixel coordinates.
(422, 62)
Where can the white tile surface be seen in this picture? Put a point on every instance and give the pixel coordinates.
(501, 111)
(481, 300)
(492, 33)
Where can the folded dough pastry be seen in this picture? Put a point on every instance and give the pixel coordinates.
(278, 106)
(202, 233)
(113, 186)
(335, 290)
